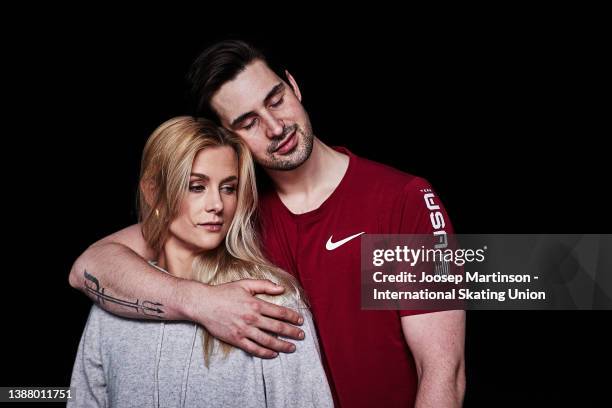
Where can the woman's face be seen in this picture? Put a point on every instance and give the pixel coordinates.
(210, 203)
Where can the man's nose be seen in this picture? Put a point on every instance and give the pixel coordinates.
(274, 126)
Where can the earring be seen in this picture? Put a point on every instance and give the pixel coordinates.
(157, 213)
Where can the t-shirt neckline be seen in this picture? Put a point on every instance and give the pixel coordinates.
(333, 197)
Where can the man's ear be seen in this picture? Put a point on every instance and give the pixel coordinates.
(294, 85)
(148, 190)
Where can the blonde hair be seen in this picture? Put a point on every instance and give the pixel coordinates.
(164, 182)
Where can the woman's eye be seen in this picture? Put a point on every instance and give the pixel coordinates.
(196, 188)
(228, 189)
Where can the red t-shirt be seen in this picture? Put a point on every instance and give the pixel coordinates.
(365, 354)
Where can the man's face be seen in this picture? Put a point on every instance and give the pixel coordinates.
(268, 115)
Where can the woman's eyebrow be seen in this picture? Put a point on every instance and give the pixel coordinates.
(205, 177)
(200, 175)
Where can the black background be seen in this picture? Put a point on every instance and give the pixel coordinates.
(504, 116)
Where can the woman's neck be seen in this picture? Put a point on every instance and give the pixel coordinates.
(177, 259)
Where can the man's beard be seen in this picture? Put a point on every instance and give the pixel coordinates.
(293, 160)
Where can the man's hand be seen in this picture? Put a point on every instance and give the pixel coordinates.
(232, 313)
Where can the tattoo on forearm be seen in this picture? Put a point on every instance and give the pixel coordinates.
(145, 307)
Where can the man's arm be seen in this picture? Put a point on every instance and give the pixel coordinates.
(114, 274)
(437, 343)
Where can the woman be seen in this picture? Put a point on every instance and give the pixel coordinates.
(197, 200)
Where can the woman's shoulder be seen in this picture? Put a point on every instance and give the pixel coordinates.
(294, 302)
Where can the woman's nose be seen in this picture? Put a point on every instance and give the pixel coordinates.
(214, 203)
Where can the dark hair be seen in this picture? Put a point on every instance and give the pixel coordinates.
(216, 65)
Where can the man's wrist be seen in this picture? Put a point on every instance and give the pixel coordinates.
(187, 298)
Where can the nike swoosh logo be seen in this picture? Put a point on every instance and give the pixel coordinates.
(330, 246)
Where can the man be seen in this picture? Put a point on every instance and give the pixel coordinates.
(311, 221)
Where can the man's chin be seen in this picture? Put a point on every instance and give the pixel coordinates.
(290, 161)
(286, 163)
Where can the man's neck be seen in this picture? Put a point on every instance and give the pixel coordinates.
(307, 187)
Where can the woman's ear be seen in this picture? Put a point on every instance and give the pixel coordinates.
(148, 190)
(294, 85)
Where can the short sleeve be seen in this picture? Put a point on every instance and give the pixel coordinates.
(419, 210)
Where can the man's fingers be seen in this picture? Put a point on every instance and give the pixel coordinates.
(280, 328)
(256, 286)
(280, 312)
(255, 349)
(269, 341)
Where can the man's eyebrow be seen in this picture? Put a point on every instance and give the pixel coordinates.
(277, 89)
(274, 91)
(240, 118)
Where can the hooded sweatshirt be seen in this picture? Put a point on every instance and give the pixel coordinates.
(130, 363)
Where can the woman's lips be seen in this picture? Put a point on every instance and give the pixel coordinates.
(211, 226)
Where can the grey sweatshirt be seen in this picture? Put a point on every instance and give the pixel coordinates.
(130, 363)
